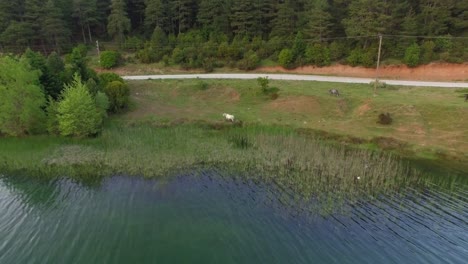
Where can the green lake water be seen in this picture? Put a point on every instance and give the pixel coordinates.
(211, 219)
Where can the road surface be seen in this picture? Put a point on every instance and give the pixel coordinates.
(294, 77)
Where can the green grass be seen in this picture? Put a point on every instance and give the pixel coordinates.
(424, 118)
(300, 141)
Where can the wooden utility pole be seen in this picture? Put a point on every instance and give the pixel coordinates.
(378, 65)
(98, 50)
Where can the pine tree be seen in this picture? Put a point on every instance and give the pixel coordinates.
(33, 13)
(319, 25)
(136, 13)
(118, 22)
(86, 13)
(156, 15)
(435, 16)
(367, 18)
(213, 15)
(184, 14)
(284, 21)
(53, 27)
(243, 18)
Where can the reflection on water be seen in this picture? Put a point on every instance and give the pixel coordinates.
(211, 219)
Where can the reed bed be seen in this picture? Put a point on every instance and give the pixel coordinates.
(306, 168)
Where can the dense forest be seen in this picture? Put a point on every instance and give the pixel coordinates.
(201, 33)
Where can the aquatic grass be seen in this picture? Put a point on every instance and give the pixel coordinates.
(303, 167)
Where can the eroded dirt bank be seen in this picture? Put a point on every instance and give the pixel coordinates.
(430, 72)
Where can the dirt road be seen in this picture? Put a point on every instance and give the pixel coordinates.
(294, 77)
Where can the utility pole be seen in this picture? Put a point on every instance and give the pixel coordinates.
(98, 50)
(378, 65)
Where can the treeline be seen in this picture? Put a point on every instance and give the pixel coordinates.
(49, 95)
(328, 30)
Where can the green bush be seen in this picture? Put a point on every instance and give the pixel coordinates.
(133, 44)
(147, 54)
(78, 114)
(318, 55)
(286, 58)
(355, 57)
(108, 77)
(249, 62)
(427, 51)
(109, 59)
(263, 82)
(118, 94)
(412, 55)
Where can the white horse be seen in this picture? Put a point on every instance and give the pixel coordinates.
(229, 117)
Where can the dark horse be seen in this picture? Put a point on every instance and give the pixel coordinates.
(334, 92)
(466, 97)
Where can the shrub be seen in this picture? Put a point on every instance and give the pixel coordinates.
(146, 55)
(427, 51)
(263, 82)
(318, 55)
(355, 57)
(380, 84)
(249, 62)
(385, 119)
(102, 103)
(78, 115)
(178, 56)
(118, 94)
(109, 59)
(412, 55)
(286, 58)
(106, 78)
(133, 44)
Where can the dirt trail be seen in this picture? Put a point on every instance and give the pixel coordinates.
(430, 72)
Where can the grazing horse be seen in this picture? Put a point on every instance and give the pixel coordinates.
(334, 92)
(466, 97)
(229, 117)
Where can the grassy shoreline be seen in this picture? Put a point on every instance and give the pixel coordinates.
(306, 140)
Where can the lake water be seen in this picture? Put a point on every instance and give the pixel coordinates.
(208, 219)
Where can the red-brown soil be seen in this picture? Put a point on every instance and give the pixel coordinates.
(430, 72)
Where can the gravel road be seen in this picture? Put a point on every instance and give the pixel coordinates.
(294, 77)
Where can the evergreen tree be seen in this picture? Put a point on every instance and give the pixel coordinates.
(213, 15)
(136, 13)
(367, 18)
(118, 22)
(17, 34)
(243, 18)
(33, 14)
(53, 27)
(184, 14)
(86, 13)
(156, 15)
(319, 25)
(284, 22)
(435, 16)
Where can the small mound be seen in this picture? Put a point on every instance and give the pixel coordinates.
(364, 108)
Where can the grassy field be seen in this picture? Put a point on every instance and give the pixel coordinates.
(174, 126)
(428, 122)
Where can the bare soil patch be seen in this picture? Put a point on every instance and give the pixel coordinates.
(296, 104)
(430, 72)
